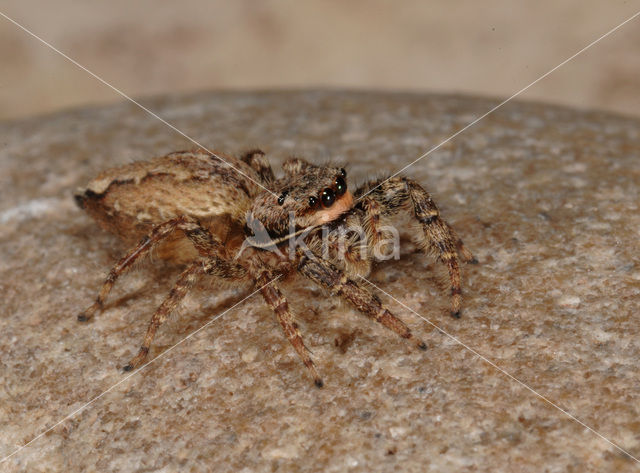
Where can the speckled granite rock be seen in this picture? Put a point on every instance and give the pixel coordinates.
(546, 197)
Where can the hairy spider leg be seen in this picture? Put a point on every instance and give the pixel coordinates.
(467, 256)
(185, 281)
(259, 162)
(199, 236)
(438, 237)
(371, 221)
(325, 274)
(280, 306)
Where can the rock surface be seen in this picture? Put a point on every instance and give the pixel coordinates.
(546, 197)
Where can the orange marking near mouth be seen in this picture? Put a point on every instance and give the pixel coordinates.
(342, 205)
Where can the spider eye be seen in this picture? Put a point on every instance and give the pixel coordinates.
(328, 197)
(312, 201)
(343, 173)
(341, 186)
(282, 197)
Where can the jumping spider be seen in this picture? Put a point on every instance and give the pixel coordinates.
(194, 209)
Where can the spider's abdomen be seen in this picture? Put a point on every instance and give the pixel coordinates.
(130, 200)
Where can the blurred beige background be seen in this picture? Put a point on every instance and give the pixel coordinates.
(494, 48)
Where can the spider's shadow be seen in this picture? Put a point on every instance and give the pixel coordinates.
(184, 322)
(422, 269)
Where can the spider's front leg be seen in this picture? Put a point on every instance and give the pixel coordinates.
(388, 197)
(277, 301)
(325, 274)
(199, 236)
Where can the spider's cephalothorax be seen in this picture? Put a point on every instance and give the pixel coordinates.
(308, 197)
(212, 213)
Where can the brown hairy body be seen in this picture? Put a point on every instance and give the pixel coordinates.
(217, 218)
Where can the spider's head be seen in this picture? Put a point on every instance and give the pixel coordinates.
(308, 196)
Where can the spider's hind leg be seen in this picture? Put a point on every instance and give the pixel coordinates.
(199, 236)
(185, 281)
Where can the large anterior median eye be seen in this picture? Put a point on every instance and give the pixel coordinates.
(341, 186)
(328, 197)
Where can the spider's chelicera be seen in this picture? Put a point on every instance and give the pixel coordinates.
(194, 209)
